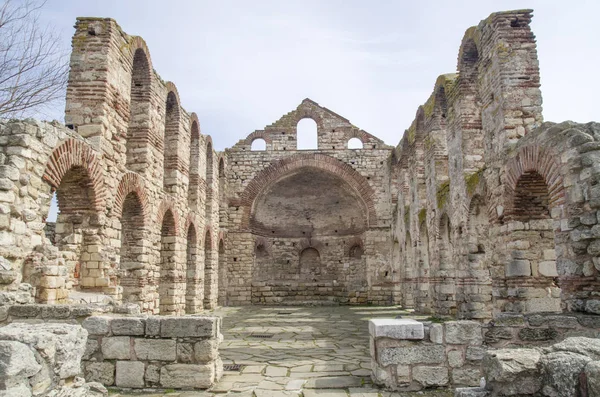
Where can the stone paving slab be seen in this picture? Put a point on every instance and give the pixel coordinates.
(314, 352)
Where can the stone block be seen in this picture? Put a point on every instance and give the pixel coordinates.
(562, 372)
(182, 327)
(396, 328)
(152, 374)
(116, 348)
(102, 372)
(96, 325)
(430, 376)
(513, 372)
(130, 374)
(471, 392)
(206, 350)
(127, 326)
(155, 349)
(463, 333)
(466, 376)
(153, 326)
(415, 354)
(455, 358)
(518, 267)
(475, 353)
(187, 376)
(548, 269)
(436, 333)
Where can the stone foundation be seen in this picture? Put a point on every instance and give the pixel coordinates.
(146, 352)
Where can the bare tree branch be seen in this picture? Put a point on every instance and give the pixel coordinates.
(33, 67)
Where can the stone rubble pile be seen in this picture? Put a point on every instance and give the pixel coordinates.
(567, 369)
(44, 360)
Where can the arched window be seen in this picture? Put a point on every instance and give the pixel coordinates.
(259, 144)
(209, 273)
(356, 252)
(310, 264)
(355, 143)
(209, 182)
(192, 277)
(167, 265)
(194, 164)
(170, 141)
(132, 237)
(306, 134)
(137, 131)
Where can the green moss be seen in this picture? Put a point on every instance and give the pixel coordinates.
(436, 319)
(472, 181)
(422, 215)
(442, 194)
(411, 133)
(429, 106)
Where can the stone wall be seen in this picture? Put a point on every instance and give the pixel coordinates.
(495, 210)
(308, 226)
(411, 355)
(162, 352)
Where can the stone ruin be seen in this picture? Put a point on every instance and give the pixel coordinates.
(482, 209)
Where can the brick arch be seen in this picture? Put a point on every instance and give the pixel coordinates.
(540, 160)
(193, 221)
(359, 134)
(354, 242)
(165, 206)
(131, 182)
(194, 117)
(306, 113)
(282, 167)
(310, 243)
(74, 153)
(469, 55)
(258, 134)
(208, 232)
(138, 43)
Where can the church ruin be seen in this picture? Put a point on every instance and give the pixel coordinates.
(481, 208)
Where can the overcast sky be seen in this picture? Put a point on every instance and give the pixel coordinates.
(240, 65)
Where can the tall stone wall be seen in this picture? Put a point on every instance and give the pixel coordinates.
(135, 180)
(308, 226)
(494, 210)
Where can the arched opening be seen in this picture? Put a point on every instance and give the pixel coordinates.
(223, 281)
(210, 278)
(132, 238)
(477, 224)
(531, 207)
(258, 144)
(209, 183)
(531, 263)
(410, 272)
(170, 141)
(139, 107)
(221, 168)
(306, 135)
(356, 252)
(193, 286)
(168, 302)
(355, 143)
(310, 264)
(262, 267)
(445, 243)
(423, 271)
(75, 230)
(223, 205)
(50, 222)
(193, 191)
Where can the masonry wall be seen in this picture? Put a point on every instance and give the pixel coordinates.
(492, 204)
(308, 226)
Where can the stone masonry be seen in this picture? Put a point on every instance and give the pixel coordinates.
(482, 208)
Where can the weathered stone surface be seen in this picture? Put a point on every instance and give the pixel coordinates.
(127, 326)
(174, 327)
(592, 375)
(61, 345)
(588, 347)
(496, 334)
(418, 354)
(455, 358)
(17, 360)
(562, 372)
(187, 376)
(396, 328)
(466, 376)
(333, 382)
(155, 349)
(471, 392)
(130, 374)
(206, 350)
(436, 333)
(96, 325)
(464, 333)
(102, 372)
(537, 334)
(430, 376)
(512, 372)
(116, 347)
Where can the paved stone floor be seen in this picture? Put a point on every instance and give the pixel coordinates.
(304, 351)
